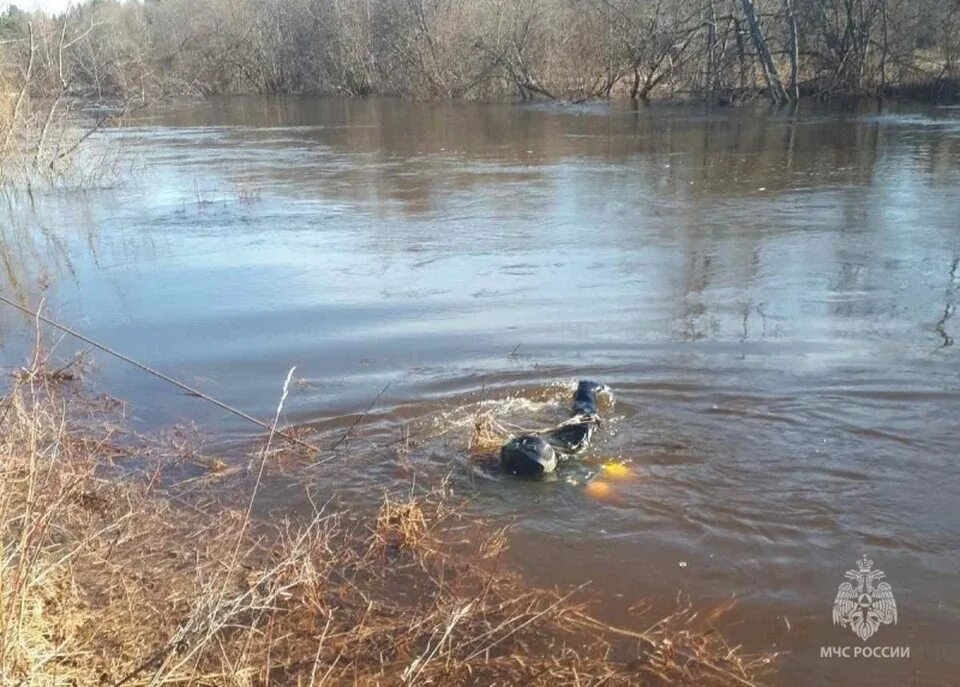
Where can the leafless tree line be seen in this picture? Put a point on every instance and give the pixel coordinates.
(38, 82)
(726, 50)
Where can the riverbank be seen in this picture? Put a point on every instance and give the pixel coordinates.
(112, 574)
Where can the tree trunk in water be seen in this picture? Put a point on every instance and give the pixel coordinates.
(770, 72)
(741, 55)
(884, 48)
(711, 80)
(794, 51)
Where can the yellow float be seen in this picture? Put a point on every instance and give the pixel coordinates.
(614, 470)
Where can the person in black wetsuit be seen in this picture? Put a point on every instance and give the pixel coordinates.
(536, 454)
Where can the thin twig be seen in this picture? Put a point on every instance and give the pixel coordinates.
(360, 419)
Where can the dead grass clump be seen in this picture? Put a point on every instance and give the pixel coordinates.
(486, 436)
(401, 524)
(110, 581)
(72, 371)
(41, 367)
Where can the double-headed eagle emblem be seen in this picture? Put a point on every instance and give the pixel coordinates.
(862, 604)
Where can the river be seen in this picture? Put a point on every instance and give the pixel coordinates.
(771, 297)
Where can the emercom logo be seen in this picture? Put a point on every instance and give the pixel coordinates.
(863, 603)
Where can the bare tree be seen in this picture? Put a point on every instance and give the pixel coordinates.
(770, 72)
(793, 46)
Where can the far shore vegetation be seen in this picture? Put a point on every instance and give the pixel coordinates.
(713, 50)
(66, 75)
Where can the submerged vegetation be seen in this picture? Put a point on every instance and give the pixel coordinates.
(111, 574)
(559, 49)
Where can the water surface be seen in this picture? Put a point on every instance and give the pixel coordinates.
(771, 296)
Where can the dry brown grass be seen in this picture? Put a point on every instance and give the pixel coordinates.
(401, 524)
(487, 436)
(106, 577)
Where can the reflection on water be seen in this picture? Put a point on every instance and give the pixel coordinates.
(771, 296)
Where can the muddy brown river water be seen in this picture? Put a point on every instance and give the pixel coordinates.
(771, 296)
